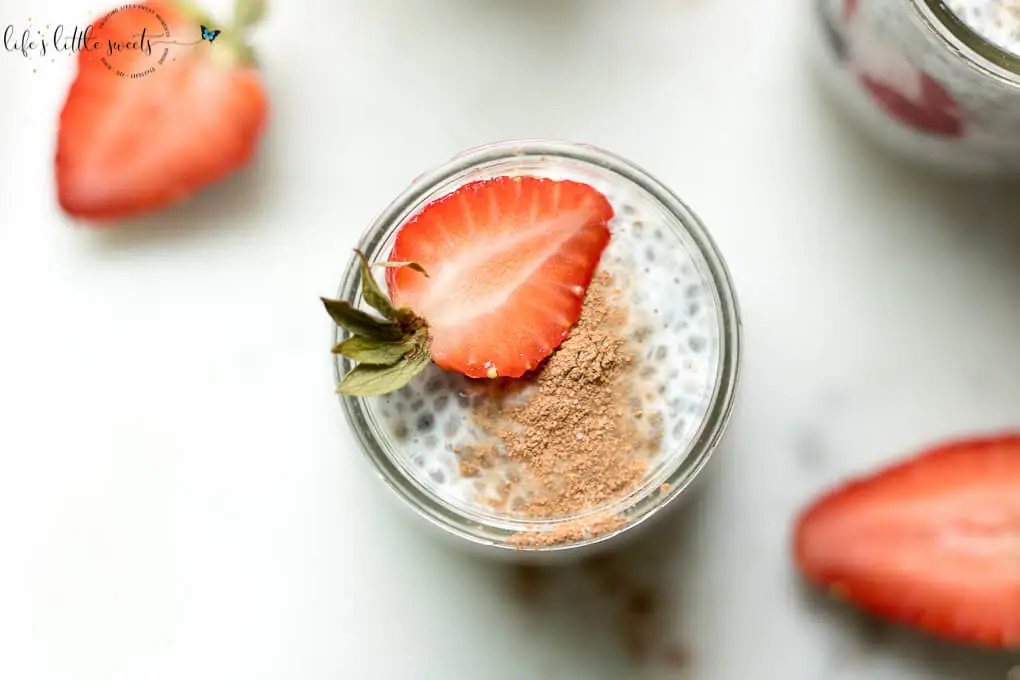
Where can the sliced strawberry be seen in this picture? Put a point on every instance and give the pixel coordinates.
(933, 542)
(140, 130)
(509, 260)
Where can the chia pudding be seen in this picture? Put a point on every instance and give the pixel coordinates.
(937, 81)
(615, 423)
(997, 21)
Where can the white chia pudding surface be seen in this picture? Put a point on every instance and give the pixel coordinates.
(998, 21)
(674, 327)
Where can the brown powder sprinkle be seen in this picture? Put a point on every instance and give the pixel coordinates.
(575, 430)
(475, 459)
(569, 532)
(469, 469)
(640, 624)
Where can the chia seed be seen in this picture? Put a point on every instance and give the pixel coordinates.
(656, 279)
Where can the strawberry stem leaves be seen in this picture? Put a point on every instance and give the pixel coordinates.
(367, 380)
(373, 351)
(358, 322)
(372, 293)
(390, 351)
(410, 265)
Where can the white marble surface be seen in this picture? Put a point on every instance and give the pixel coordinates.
(180, 497)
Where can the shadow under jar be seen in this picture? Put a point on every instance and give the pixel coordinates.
(682, 328)
(937, 81)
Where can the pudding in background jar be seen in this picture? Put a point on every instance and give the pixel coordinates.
(936, 81)
(997, 21)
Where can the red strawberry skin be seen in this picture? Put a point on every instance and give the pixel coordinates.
(932, 542)
(937, 113)
(126, 145)
(509, 260)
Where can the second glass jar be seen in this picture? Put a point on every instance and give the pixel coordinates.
(924, 82)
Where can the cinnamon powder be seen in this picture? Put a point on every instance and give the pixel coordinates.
(575, 430)
(570, 532)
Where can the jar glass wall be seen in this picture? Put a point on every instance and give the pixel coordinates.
(412, 437)
(923, 82)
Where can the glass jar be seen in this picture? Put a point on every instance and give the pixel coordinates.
(923, 82)
(411, 443)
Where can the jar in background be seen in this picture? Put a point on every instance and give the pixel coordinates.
(939, 86)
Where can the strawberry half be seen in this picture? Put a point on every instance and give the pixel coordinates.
(156, 111)
(509, 261)
(933, 542)
(486, 281)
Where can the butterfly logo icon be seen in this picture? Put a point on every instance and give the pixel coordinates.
(209, 34)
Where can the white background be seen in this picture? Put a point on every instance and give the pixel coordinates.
(180, 496)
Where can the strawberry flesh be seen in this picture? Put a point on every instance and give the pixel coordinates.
(932, 543)
(129, 145)
(509, 260)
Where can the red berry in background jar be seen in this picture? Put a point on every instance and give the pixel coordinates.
(849, 8)
(932, 110)
(900, 89)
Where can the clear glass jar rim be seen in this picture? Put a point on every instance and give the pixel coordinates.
(730, 332)
(973, 48)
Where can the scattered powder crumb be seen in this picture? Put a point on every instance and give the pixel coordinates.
(643, 623)
(655, 427)
(476, 459)
(629, 593)
(503, 491)
(575, 429)
(640, 624)
(529, 582)
(469, 469)
(676, 657)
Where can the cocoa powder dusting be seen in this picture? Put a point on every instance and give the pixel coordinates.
(569, 532)
(572, 428)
